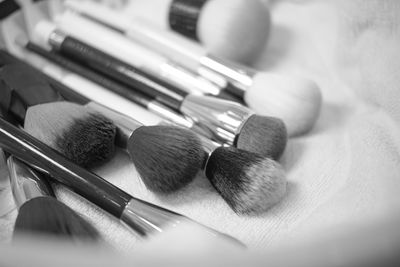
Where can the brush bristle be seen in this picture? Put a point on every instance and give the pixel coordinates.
(249, 183)
(167, 158)
(46, 215)
(241, 31)
(266, 136)
(85, 138)
(295, 100)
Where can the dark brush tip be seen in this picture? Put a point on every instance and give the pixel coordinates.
(166, 157)
(248, 182)
(263, 135)
(46, 215)
(85, 138)
(89, 141)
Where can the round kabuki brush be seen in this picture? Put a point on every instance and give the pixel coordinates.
(295, 100)
(142, 217)
(85, 137)
(166, 157)
(234, 29)
(227, 121)
(39, 212)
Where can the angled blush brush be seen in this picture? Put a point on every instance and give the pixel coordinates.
(160, 153)
(39, 212)
(142, 217)
(228, 121)
(84, 137)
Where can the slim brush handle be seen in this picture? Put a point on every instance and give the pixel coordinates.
(122, 72)
(92, 187)
(117, 88)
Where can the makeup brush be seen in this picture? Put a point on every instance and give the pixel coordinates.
(295, 100)
(84, 137)
(227, 121)
(39, 211)
(166, 157)
(142, 217)
(233, 29)
(249, 183)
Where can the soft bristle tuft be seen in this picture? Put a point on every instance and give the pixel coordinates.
(85, 138)
(266, 136)
(46, 215)
(167, 158)
(295, 100)
(249, 183)
(241, 31)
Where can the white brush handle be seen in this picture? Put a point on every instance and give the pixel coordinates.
(118, 46)
(170, 44)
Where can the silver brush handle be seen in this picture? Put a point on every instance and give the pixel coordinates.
(147, 219)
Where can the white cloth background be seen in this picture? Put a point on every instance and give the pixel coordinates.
(344, 172)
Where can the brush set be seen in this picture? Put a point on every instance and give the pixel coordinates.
(217, 117)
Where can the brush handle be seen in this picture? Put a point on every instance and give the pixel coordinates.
(120, 71)
(92, 187)
(116, 87)
(20, 89)
(184, 15)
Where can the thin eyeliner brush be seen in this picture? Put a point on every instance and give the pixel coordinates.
(141, 216)
(226, 121)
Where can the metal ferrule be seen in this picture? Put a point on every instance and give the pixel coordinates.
(147, 219)
(238, 75)
(208, 146)
(223, 118)
(125, 125)
(26, 184)
(56, 38)
(186, 80)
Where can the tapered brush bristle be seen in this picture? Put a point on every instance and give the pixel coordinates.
(166, 157)
(85, 138)
(46, 215)
(266, 136)
(249, 183)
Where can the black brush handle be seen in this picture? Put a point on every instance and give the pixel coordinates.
(184, 15)
(20, 88)
(37, 154)
(89, 74)
(122, 72)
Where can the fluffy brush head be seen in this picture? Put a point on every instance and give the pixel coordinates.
(295, 100)
(46, 215)
(166, 157)
(266, 136)
(241, 31)
(249, 183)
(85, 138)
